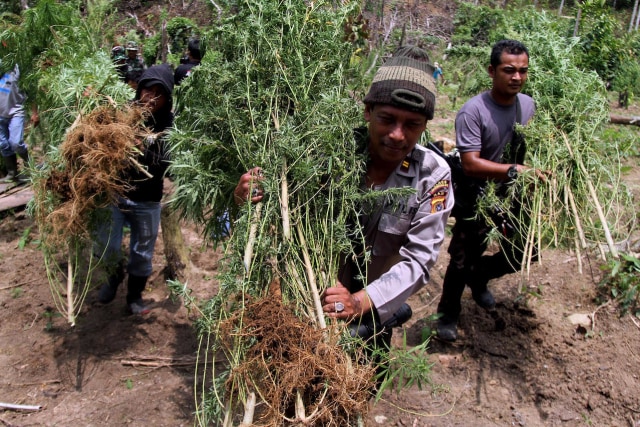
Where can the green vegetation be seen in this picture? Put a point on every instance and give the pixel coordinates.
(584, 202)
(621, 282)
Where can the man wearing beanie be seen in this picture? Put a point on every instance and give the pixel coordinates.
(403, 237)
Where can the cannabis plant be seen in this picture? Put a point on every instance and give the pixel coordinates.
(275, 93)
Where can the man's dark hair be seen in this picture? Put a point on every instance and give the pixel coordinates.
(194, 49)
(512, 47)
(133, 75)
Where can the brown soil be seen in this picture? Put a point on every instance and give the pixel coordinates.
(115, 369)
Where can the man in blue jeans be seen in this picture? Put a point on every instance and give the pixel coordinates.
(12, 101)
(140, 205)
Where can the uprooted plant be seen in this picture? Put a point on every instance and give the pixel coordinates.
(276, 93)
(81, 178)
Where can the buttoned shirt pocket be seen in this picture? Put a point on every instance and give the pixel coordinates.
(392, 231)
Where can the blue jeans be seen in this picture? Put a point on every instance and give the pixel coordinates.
(11, 136)
(144, 220)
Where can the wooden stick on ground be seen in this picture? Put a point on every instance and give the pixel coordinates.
(20, 407)
(160, 362)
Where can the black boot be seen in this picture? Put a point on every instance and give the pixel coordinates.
(23, 177)
(110, 287)
(135, 286)
(11, 163)
(449, 305)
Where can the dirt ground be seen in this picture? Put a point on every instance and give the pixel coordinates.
(114, 369)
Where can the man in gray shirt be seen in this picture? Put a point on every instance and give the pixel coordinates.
(486, 139)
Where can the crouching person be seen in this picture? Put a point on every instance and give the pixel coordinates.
(404, 237)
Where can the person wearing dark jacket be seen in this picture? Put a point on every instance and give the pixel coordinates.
(194, 56)
(140, 204)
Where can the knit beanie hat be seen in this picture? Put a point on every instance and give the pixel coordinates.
(405, 81)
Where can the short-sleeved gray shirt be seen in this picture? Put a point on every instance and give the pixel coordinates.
(485, 126)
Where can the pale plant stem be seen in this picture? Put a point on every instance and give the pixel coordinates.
(578, 255)
(554, 200)
(594, 196)
(297, 280)
(70, 309)
(284, 204)
(140, 167)
(253, 230)
(526, 255)
(603, 219)
(228, 422)
(539, 239)
(300, 411)
(249, 410)
(574, 211)
(312, 280)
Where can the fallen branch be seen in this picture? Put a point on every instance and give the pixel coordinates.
(31, 383)
(622, 120)
(593, 314)
(20, 407)
(16, 285)
(635, 322)
(162, 362)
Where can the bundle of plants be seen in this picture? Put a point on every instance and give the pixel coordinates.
(70, 192)
(277, 93)
(86, 176)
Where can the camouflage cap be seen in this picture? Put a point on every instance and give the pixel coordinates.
(118, 53)
(132, 45)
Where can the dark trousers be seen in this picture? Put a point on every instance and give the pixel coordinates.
(469, 267)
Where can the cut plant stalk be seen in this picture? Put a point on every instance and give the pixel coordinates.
(253, 230)
(594, 197)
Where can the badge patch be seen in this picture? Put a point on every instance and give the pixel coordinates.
(439, 193)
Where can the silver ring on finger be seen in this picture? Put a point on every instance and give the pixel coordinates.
(338, 307)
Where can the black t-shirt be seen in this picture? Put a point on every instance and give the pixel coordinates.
(184, 70)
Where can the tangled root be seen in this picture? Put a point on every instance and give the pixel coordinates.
(288, 358)
(87, 175)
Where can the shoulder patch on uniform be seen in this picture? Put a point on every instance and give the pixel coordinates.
(439, 193)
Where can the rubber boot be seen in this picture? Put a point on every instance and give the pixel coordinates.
(135, 286)
(449, 305)
(23, 176)
(11, 163)
(109, 289)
